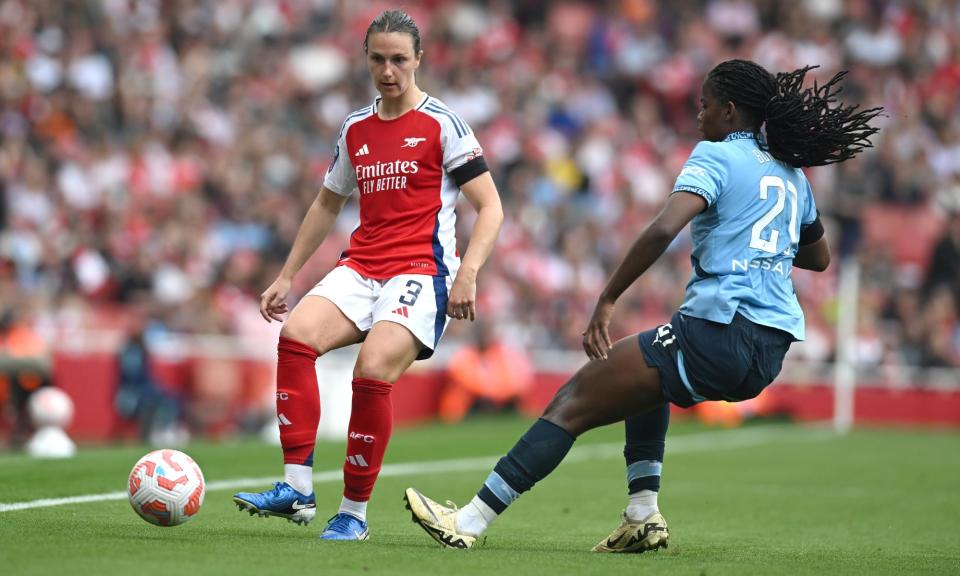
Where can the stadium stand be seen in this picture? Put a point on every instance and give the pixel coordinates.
(157, 156)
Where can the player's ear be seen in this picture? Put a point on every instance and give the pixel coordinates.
(729, 111)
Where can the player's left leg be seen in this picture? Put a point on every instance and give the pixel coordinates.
(409, 317)
(643, 451)
(387, 352)
(602, 392)
(643, 527)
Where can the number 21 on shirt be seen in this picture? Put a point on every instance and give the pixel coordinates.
(769, 244)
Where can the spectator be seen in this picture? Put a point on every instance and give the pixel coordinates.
(485, 376)
(143, 145)
(24, 367)
(944, 267)
(139, 397)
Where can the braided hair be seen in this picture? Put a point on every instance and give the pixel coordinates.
(804, 126)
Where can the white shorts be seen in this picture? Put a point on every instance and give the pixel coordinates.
(417, 302)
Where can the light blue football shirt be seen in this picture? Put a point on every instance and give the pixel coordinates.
(745, 240)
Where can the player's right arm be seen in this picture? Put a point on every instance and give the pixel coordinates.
(314, 229)
(680, 209)
(339, 184)
(697, 187)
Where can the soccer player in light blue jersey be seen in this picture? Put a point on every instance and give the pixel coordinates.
(753, 220)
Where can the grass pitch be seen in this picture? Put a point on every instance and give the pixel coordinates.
(759, 500)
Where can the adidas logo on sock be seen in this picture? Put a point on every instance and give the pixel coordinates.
(402, 311)
(357, 461)
(363, 151)
(284, 421)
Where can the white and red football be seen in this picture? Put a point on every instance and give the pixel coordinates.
(166, 487)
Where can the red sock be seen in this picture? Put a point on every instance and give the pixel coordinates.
(371, 423)
(298, 401)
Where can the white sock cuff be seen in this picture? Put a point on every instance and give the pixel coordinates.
(474, 518)
(300, 477)
(641, 505)
(488, 513)
(354, 508)
(645, 497)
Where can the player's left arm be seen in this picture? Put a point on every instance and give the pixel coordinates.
(680, 209)
(814, 251)
(482, 194)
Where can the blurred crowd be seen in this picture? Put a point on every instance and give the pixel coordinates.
(157, 157)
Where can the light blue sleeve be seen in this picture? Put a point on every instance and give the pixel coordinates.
(704, 173)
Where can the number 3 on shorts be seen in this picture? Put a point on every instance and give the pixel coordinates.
(413, 292)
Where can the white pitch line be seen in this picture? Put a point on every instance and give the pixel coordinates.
(699, 442)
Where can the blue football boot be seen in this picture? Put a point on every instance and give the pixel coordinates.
(345, 527)
(283, 501)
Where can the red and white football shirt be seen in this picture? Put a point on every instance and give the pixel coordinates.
(402, 170)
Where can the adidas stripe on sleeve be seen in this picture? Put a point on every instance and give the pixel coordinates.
(340, 177)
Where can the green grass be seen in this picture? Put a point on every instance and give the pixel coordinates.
(787, 501)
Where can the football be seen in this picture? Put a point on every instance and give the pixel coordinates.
(166, 487)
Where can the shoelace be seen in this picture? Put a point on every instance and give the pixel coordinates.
(340, 522)
(276, 489)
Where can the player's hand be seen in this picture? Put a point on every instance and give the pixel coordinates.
(462, 303)
(596, 338)
(273, 300)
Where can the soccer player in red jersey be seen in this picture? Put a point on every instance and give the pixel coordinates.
(408, 157)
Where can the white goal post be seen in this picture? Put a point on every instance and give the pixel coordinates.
(845, 372)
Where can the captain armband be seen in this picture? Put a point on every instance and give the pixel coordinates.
(469, 170)
(812, 232)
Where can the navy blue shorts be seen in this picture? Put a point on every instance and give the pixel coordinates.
(702, 360)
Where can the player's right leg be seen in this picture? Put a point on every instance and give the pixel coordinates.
(315, 326)
(602, 392)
